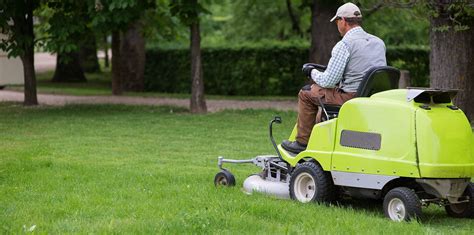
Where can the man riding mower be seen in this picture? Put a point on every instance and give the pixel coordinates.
(408, 147)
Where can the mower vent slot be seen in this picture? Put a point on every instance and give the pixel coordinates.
(361, 140)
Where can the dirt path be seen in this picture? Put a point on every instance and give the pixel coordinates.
(212, 105)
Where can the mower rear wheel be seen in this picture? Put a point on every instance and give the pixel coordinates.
(309, 183)
(224, 178)
(465, 209)
(402, 204)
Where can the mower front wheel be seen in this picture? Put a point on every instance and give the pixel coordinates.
(309, 183)
(465, 209)
(224, 178)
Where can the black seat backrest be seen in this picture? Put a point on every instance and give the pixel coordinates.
(378, 79)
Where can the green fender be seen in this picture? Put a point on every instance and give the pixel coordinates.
(320, 146)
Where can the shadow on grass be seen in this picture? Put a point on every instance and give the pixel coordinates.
(432, 216)
(369, 206)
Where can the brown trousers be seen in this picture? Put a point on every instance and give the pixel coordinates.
(308, 106)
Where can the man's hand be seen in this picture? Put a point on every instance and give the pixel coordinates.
(307, 68)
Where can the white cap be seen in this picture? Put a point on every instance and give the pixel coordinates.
(348, 10)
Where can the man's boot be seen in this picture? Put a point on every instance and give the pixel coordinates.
(293, 146)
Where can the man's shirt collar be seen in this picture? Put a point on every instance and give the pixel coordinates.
(354, 30)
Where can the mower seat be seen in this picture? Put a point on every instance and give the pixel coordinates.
(377, 79)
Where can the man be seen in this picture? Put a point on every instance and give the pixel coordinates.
(351, 58)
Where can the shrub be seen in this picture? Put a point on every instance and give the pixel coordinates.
(272, 70)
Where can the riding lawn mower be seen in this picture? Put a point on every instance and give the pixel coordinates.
(408, 147)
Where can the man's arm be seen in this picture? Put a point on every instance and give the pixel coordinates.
(335, 69)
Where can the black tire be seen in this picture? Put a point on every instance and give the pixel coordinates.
(310, 183)
(402, 204)
(465, 209)
(224, 178)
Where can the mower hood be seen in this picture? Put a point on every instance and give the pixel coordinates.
(443, 135)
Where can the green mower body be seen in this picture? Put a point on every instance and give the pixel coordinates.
(389, 136)
(408, 147)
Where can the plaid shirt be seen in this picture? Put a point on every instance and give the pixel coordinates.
(337, 64)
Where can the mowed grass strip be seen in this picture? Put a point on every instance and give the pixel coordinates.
(143, 169)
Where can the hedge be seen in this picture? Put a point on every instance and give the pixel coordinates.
(255, 71)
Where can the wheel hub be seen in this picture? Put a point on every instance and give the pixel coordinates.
(396, 209)
(222, 181)
(305, 187)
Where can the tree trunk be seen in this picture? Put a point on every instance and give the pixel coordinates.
(451, 58)
(198, 103)
(116, 64)
(30, 78)
(88, 53)
(324, 34)
(106, 52)
(68, 68)
(405, 79)
(28, 58)
(295, 23)
(133, 48)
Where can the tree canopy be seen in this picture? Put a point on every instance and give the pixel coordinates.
(243, 22)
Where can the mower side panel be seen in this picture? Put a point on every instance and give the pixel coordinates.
(323, 138)
(444, 140)
(320, 145)
(392, 153)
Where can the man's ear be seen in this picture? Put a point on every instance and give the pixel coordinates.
(344, 22)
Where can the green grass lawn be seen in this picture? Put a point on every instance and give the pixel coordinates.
(100, 84)
(140, 169)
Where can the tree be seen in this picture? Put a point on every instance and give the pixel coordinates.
(16, 21)
(260, 20)
(68, 68)
(452, 50)
(295, 21)
(72, 37)
(324, 34)
(64, 25)
(154, 22)
(117, 88)
(198, 103)
(106, 50)
(117, 16)
(188, 11)
(133, 46)
(88, 52)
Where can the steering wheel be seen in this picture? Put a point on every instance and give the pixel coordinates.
(310, 66)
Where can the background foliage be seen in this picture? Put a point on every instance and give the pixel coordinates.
(250, 48)
(246, 22)
(259, 70)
